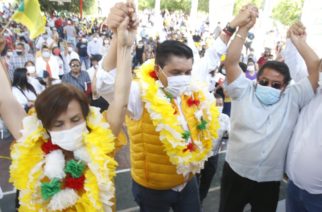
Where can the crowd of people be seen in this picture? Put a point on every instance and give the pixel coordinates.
(179, 93)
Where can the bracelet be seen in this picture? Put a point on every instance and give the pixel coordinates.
(239, 36)
(229, 30)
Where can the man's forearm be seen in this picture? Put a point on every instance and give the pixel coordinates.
(109, 61)
(235, 47)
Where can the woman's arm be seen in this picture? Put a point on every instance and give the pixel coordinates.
(117, 110)
(10, 110)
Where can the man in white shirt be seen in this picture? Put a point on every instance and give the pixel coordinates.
(303, 167)
(47, 62)
(263, 117)
(69, 55)
(95, 46)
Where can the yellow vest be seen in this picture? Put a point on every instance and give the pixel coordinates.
(150, 165)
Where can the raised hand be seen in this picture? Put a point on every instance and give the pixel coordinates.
(297, 32)
(117, 14)
(246, 16)
(125, 33)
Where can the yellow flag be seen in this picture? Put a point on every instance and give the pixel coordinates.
(30, 15)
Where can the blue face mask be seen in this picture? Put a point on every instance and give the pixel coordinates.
(267, 95)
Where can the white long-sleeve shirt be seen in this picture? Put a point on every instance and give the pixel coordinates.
(304, 156)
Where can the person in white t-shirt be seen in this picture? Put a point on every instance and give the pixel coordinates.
(37, 82)
(47, 63)
(303, 165)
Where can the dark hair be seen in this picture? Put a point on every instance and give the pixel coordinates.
(21, 44)
(54, 101)
(20, 80)
(73, 60)
(243, 66)
(29, 61)
(277, 66)
(171, 48)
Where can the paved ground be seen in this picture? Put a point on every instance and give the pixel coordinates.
(125, 201)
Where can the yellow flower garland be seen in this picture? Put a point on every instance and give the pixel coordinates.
(162, 114)
(28, 158)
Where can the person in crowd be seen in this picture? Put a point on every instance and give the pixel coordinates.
(65, 132)
(210, 167)
(22, 90)
(95, 73)
(251, 70)
(106, 45)
(70, 33)
(60, 60)
(37, 82)
(139, 54)
(69, 55)
(44, 40)
(265, 57)
(162, 108)
(304, 190)
(94, 46)
(258, 141)
(18, 59)
(78, 78)
(47, 63)
(82, 52)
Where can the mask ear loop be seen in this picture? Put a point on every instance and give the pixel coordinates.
(161, 75)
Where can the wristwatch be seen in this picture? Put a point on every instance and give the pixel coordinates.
(229, 30)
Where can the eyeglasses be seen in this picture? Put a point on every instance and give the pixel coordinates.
(265, 82)
(75, 65)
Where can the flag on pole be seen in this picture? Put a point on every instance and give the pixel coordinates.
(30, 15)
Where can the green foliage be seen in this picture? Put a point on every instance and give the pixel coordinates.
(143, 4)
(239, 3)
(72, 7)
(171, 5)
(203, 5)
(287, 11)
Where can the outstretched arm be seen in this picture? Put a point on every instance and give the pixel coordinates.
(234, 50)
(10, 110)
(118, 107)
(297, 34)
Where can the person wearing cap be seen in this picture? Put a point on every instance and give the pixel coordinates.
(70, 33)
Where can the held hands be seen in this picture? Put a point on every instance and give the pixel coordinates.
(246, 17)
(118, 13)
(297, 33)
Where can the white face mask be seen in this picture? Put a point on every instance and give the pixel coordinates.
(46, 54)
(70, 139)
(31, 69)
(70, 49)
(178, 84)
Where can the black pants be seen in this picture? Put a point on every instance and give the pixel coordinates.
(236, 192)
(206, 175)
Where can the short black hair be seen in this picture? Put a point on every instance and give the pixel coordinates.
(73, 60)
(171, 48)
(279, 67)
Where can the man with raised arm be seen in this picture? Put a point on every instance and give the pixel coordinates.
(258, 140)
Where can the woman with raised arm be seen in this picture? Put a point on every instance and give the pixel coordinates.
(63, 159)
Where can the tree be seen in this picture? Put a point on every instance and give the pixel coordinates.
(203, 5)
(240, 3)
(287, 12)
(73, 6)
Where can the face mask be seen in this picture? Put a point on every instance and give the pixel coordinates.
(9, 54)
(84, 40)
(178, 84)
(31, 69)
(220, 108)
(70, 49)
(46, 54)
(251, 68)
(267, 95)
(95, 39)
(70, 139)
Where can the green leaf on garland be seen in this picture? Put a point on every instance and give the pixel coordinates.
(48, 190)
(186, 135)
(202, 125)
(75, 168)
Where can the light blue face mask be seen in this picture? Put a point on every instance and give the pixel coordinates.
(267, 95)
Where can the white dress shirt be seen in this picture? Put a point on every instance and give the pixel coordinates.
(41, 66)
(260, 134)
